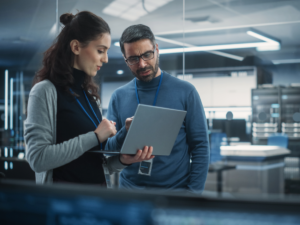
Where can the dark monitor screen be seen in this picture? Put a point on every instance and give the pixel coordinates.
(68, 204)
(232, 128)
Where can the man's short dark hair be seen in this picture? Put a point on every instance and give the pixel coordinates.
(135, 33)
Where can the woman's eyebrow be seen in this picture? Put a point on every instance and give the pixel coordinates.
(102, 46)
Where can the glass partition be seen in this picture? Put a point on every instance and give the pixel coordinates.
(242, 57)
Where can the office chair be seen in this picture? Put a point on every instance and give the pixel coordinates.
(215, 142)
(278, 139)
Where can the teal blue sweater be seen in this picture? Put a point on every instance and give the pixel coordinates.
(174, 171)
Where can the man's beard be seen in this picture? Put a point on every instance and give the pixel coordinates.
(149, 77)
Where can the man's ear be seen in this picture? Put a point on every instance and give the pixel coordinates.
(157, 49)
(75, 47)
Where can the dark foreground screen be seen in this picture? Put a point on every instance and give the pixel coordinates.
(81, 205)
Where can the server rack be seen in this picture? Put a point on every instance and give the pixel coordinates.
(265, 114)
(277, 110)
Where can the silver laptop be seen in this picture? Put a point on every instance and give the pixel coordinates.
(152, 126)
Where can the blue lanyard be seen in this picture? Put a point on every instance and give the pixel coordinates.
(87, 112)
(136, 91)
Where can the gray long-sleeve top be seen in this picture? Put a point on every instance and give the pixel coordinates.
(42, 152)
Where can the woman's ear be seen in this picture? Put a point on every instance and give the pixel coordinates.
(75, 47)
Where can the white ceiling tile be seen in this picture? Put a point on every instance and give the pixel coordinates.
(138, 10)
(129, 2)
(118, 5)
(129, 17)
(112, 12)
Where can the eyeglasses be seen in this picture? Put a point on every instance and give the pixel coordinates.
(135, 59)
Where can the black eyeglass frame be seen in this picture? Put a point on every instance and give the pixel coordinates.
(141, 56)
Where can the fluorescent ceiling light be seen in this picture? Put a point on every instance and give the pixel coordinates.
(268, 43)
(117, 44)
(274, 47)
(268, 48)
(286, 61)
(227, 55)
(239, 58)
(261, 37)
(211, 47)
(174, 42)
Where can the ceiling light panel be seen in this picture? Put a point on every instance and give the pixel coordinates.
(133, 9)
(137, 10)
(150, 6)
(111, 12)
(157, 3)
(117, 5)
(129, 2)
(129, 17)
(116, 8)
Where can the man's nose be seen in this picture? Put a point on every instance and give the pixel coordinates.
(142, 63)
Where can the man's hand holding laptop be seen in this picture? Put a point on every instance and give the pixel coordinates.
(141, 155)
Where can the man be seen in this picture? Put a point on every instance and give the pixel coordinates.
(175, 171)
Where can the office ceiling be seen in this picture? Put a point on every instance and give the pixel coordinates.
(26, 26)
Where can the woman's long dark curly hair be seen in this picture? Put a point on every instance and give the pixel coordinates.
(59, 59)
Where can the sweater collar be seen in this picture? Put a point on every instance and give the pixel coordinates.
(151, 84)
(79, 77)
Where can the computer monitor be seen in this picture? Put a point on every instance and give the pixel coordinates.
(232, 128)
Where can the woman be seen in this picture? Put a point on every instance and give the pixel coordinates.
(64, 123)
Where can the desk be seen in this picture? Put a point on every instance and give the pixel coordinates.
(218, 168)
(259, 169)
